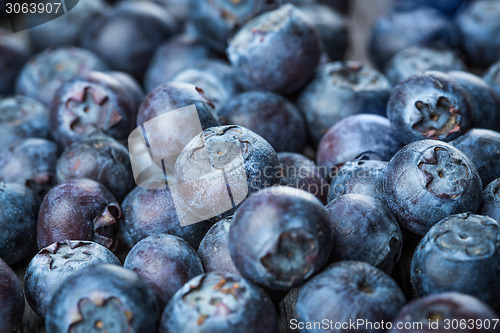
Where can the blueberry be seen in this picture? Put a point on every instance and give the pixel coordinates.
(30, 162)
(460, 253)
(447, 7)
(78, 209)
(428, 180)
(349, 291)
(173, 56)
(214, 248)
(341, 89)
(219, 302)
(44, 73)
(492, 76)
(441, 310)
(484, 100)
(418, 59)
(182, 111)
(114, 34)
(178, 8)
(219, 168)
(279, 237)
(481, 146)
(429, 105)
(55, 263)
(479, 30)
(332, 28)
(95, 102)
(397, 30)
(276, 51)
(11, 294)
(165, 263)
(361, 136)
(490, 205)
(101, 158)
(103, 297)
(216, 21)
(214, 77)
(20, 118)
(14, 53)
(17, 222)
(364, 230)
(361, 177)
(302, 173)
(149, 212)
(171, 96)
(65, 29)
(130, 84)
(271, 116)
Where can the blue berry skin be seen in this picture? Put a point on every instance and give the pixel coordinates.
(30, 162)
(103, 297)
(17, 222)
(302, 173)
(460, 253)
(428, 180)
(269, 115)
(359, 177)
(332, 28)
(66, 29)
(452, 306)
(95, 102)
(492, 76)
(14, 54)
(418, 59)
(280, 237)
(349, 290)
(11, 294)
(342, 89)
(398, 30)
(482, 147)
(130, 84)
(216, 21)
(447, 7)
(151, 212)
(219, 302)
(78, 209)
(429, 105)
(479, 30)
(214, 77)
(165, 263)
(362, 136)
(21, 118)
(100, 158)
(490, 205)
(364, 230)
(173, 56)
(44, 73)
(55, 263)
(248, 161)
(113, 34)
(277, 51)
(174, 95)
(214, 248)
(484, 100)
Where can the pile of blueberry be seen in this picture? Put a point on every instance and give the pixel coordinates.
(371, 193)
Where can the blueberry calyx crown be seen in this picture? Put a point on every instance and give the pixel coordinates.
(218, 300)
(444, 175)
(467, 236)
(294, 249)
(104, 314)
(61, 253)
(105, 226)
(90, 110)
(438, 121)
